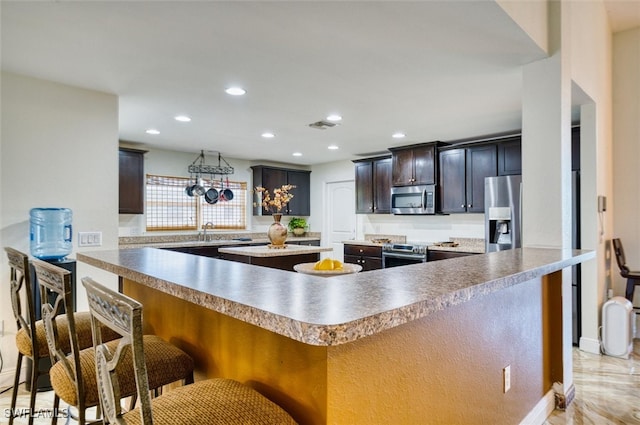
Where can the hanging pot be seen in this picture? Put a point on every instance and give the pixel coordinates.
(195, 189)
(227, 193)
(198, 190)
(211, 196)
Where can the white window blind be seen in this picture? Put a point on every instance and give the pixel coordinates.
(168, 207)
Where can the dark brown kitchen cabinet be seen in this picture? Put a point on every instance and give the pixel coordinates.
(462, 174)
(273, 177)
(414, 165)
(510, 157)
(369, 257)
(373, 185)
(434, 255)
(131, 186)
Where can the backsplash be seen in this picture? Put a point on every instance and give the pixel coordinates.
(423, 228)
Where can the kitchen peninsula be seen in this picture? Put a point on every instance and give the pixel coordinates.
(424, 343)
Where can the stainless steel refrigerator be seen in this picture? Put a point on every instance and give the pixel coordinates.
(503, 212)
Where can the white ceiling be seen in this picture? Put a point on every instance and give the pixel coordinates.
(435, 70)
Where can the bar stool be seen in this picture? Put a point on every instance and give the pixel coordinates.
(213, 401)
(30, 339)
(633, 277)
(73, 376)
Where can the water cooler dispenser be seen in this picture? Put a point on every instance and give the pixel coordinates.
(50, 241)
(618, 327)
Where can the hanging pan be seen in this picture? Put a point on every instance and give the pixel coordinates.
(227, 194)
(211, 195)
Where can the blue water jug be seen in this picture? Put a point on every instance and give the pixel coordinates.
(50, 233)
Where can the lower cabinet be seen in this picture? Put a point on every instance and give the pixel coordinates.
(445, 255)
(205, 251)
(284, 262)
(304, 243)
(369, 257)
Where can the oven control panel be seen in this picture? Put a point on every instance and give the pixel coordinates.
(405, 248)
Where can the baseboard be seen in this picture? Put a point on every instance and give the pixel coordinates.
(7, 376)
(590, 345)
(539, 414)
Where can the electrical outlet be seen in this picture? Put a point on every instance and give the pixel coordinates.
(506, 378)
(89, 238)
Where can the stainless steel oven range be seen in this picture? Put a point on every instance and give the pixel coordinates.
(394, 254)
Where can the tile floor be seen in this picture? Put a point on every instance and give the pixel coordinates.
(607, 392)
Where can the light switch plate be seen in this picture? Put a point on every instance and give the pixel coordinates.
(89, 238)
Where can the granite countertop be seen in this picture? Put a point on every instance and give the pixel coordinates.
(337, 310)
(266, 251)
(177, 241)
(469, 245)
(362, 242)
(375, 239)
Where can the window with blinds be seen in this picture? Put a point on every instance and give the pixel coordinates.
(168, 207)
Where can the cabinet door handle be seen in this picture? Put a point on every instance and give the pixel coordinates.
(469, 206)
(462, 206)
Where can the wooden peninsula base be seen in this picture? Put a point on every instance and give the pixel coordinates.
(444, 368)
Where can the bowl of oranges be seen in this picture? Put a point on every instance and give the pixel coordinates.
(327, 267)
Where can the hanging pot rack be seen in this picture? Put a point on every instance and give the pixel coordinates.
(198, 166)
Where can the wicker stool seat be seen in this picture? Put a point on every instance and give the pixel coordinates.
(176, 365)
(83, 330)
(73, 372)
(214, 401)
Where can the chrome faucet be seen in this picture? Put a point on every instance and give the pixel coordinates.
(207, 225)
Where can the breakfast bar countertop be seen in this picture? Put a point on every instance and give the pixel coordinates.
(266, 251)
(337, 310)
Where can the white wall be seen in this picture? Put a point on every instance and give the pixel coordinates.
(58, 149)
(591, 70)
(626, 151)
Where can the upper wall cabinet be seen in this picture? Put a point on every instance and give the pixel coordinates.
(373, 185)
(131, 187)
(510, 157)
(414, 165)
(273, 177)
(462, 174)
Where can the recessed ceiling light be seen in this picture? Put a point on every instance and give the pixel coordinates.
(333, 147)
(297, 154)
(152, 131)
(334, 117)
(268, 135)
(235, 91)
(398, 135)
(182, 118)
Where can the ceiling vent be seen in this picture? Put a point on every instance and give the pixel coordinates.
(322, 125)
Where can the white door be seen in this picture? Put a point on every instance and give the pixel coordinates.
(340, 211)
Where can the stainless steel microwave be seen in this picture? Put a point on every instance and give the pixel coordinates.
(413, 199)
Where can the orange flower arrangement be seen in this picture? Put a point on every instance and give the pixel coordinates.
(281, 197)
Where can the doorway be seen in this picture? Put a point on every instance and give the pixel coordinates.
(340, 213)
